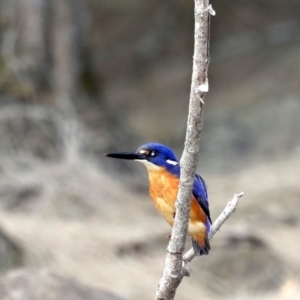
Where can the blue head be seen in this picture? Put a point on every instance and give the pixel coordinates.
(153, 156)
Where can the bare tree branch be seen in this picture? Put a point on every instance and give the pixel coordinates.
(228, 210)
(173, 270)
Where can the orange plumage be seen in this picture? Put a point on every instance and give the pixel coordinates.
(163, 191)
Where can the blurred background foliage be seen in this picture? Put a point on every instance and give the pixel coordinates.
(80, 78)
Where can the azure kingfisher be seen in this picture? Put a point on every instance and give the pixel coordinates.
(164, 173)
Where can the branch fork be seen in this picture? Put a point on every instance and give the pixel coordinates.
(226, 213)
(228, 210)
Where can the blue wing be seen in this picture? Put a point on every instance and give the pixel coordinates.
(200, 193)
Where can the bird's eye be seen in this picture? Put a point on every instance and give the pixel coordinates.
(153, 153)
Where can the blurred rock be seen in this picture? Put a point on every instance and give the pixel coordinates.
(16, 197)
(30, 130)
(38, 285)
(11, 254)
(242, 263)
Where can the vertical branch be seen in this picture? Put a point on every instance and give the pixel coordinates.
(34, 32)
(25, 48)
(172, 274)
(67, 40)
(65, 55)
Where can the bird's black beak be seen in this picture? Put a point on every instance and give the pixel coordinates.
(127, 155)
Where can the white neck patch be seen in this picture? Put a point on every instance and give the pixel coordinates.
(172, 162)
(148, 165)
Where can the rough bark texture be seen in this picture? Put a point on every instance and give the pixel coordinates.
(172, 274)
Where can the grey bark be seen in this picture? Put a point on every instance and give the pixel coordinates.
(34, 29)
(175, 269)
(34, 26)
(172, 274)
(70, 19)
(25, 43)
(68, 36)
(65, 54)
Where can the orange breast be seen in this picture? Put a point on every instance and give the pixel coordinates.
(163, 191)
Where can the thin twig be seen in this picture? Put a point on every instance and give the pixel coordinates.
(228, 210)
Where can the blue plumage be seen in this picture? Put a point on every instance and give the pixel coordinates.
(165, 157)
